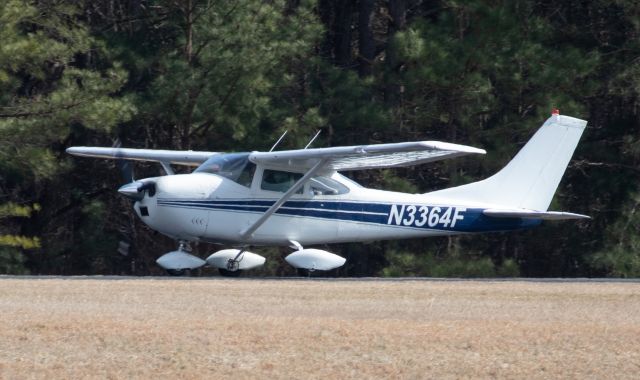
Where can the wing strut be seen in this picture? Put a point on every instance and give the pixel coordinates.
(167, 167)
(252, 228)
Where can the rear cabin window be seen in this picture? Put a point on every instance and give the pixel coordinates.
(276, 180)
(326, 186)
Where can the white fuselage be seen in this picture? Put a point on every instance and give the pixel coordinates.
(212, 208)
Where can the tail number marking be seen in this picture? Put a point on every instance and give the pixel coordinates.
(418, 216)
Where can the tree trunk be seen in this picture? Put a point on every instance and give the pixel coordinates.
(398, 13)
(365, 37)
(342, 33)
(188, 50)
(393, 89)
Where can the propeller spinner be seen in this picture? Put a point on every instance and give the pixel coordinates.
(135, 190)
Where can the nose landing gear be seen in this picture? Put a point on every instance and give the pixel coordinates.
(180, 262)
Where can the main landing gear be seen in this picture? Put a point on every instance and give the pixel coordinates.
(233, 265)
(232, 262)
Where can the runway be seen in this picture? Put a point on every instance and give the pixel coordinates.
(280, 328)
(330, 279)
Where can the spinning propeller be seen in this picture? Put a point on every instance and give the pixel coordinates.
(132, 189)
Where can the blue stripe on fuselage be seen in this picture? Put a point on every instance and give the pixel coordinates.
(399, 215)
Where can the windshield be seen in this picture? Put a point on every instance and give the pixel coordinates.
(234, 166)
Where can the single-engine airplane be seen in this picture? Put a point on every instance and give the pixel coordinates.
(298, 197)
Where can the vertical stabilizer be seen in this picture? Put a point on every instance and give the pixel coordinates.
(531, 178)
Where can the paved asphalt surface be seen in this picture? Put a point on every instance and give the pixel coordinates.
(345, 279)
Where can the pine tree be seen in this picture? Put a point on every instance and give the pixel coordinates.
(54, 77)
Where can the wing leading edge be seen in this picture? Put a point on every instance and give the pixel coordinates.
(365, 156)
(336, 158)
(178, 157)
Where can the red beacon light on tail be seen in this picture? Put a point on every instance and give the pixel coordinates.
(555, 112)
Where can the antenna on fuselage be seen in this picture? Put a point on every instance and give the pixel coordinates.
(313, 139)
(278, 142)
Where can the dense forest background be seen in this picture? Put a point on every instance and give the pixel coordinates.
(233, 75)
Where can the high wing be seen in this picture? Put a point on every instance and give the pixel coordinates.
(364, 156)
(337, 158)
(351, 158)
(178, 157)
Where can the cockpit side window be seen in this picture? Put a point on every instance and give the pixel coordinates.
(280, 181)
(246, 176)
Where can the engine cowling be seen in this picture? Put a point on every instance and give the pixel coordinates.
(248, 260)
(179, 260)
(315, 259)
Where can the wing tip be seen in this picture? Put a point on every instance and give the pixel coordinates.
(90, 151)
(440, 145)
(75, 150)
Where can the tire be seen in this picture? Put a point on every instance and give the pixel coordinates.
(176, 272)
(229, 273)
(304, 272)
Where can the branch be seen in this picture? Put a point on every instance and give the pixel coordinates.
(580, 163)
(39, 113)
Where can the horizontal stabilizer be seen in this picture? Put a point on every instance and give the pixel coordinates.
(532, 214)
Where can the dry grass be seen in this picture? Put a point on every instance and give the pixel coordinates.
(317, 329)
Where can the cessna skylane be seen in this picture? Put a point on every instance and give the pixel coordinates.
(297, 198)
